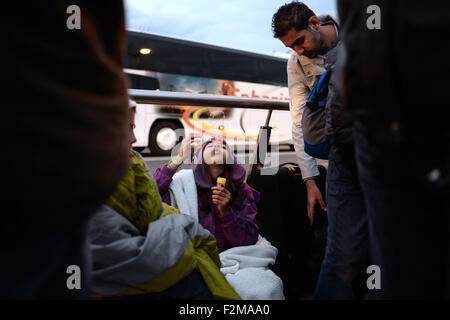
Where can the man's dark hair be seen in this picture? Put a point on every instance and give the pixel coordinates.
(292, 15)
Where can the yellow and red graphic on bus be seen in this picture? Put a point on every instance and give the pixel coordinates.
(197, 118)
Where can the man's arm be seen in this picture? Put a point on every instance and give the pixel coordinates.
(299, 92)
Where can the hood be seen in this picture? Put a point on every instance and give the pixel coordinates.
(201, 170)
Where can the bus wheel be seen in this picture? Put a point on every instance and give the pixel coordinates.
(163, 138)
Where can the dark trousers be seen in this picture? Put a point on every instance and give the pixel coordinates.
(347, 251)
(407, 194)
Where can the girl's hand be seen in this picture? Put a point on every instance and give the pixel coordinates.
(221, 197)
(189, 145)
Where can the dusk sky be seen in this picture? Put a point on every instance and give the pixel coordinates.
(239, 24)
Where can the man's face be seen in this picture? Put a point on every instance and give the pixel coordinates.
(304, 42)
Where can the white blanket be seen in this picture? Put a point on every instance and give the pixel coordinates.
(183, 192)
(246, 267)
(247, 270)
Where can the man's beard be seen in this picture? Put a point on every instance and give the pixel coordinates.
(317, 42)
(310, 54)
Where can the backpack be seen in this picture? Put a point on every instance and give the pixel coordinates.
(317, 143)
(283, 220)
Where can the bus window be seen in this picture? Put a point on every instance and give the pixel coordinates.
(143, 82)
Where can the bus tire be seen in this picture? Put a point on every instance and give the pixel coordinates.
(163, 138)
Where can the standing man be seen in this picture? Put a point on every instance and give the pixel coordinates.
(399, 94)
(315, 42)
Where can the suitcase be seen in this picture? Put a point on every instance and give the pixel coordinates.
(283, 220)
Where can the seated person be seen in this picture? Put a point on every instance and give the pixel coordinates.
(141, 246)
(227, 212)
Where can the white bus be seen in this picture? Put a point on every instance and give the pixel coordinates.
(156, 62)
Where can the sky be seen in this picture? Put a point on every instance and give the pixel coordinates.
(238, 24)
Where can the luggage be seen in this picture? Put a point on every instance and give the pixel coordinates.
(283, 220)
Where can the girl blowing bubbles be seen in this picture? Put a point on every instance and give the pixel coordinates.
(227, 212)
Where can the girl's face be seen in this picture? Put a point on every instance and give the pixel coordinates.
(215, 154)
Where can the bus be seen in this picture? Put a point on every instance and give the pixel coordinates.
(157, 62)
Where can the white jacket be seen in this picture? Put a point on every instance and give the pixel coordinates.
(302, 73)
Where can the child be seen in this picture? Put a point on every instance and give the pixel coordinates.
(227, 212)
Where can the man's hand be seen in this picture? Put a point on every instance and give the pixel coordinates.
(314, 196)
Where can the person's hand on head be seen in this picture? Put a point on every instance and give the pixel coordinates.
(189, 145)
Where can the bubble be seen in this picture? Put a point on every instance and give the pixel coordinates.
(219, 116)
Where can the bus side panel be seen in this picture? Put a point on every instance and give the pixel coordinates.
(143, 120)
